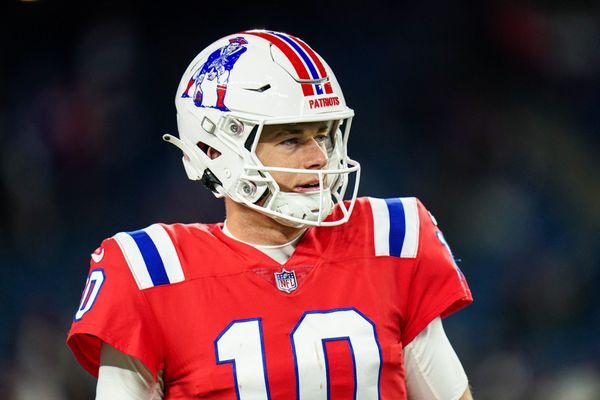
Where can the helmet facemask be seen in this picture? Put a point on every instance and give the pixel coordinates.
(254, 185)
(305, 208)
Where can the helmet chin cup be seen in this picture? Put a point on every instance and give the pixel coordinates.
(310, 207)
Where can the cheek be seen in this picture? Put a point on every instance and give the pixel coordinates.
(284, 179)
(271, 157)
(265, 153)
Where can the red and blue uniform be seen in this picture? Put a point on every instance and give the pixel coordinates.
(205, 308)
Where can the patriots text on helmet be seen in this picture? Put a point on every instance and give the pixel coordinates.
(324, 102)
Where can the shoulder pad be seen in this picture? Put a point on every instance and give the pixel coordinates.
(395, 226)
(151, 256)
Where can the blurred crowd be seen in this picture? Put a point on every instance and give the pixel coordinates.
(486, 112)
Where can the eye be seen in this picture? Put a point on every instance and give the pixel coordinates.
(290, 142)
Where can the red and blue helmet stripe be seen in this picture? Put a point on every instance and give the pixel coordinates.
(305, 61)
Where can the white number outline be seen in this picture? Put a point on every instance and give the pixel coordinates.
(89, 299)
(232, 360)
(324, 341)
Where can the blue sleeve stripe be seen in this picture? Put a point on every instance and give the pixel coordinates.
(151, 257)
(397, 226)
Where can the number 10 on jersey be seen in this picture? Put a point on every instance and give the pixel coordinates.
(241, 344)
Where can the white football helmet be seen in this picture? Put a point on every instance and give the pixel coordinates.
(235, 87)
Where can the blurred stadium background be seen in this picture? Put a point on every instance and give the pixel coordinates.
(487, 111)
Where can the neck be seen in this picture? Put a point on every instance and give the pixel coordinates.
(254, 227)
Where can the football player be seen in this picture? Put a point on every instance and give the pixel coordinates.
(300, 293)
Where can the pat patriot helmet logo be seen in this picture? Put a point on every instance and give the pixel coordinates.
(218, 66)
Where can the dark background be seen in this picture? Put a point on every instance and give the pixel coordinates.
(486, 111)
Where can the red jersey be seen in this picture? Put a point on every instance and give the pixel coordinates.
(225, 321)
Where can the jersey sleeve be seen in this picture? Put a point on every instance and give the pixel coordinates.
(113, 310)
(437, 286)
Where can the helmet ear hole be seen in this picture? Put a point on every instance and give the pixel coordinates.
(211, 152)
(203, 147)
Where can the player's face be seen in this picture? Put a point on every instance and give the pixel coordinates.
(304, 146)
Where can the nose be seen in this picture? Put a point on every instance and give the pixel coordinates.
(315, 156)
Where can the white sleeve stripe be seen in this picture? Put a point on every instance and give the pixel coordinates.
(134, 259)
(381, 226)
(167, 252)
(411, 236)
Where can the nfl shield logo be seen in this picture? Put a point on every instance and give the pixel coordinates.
(286, 281)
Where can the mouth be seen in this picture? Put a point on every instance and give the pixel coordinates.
(311, 186)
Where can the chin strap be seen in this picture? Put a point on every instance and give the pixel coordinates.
(314, 206)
